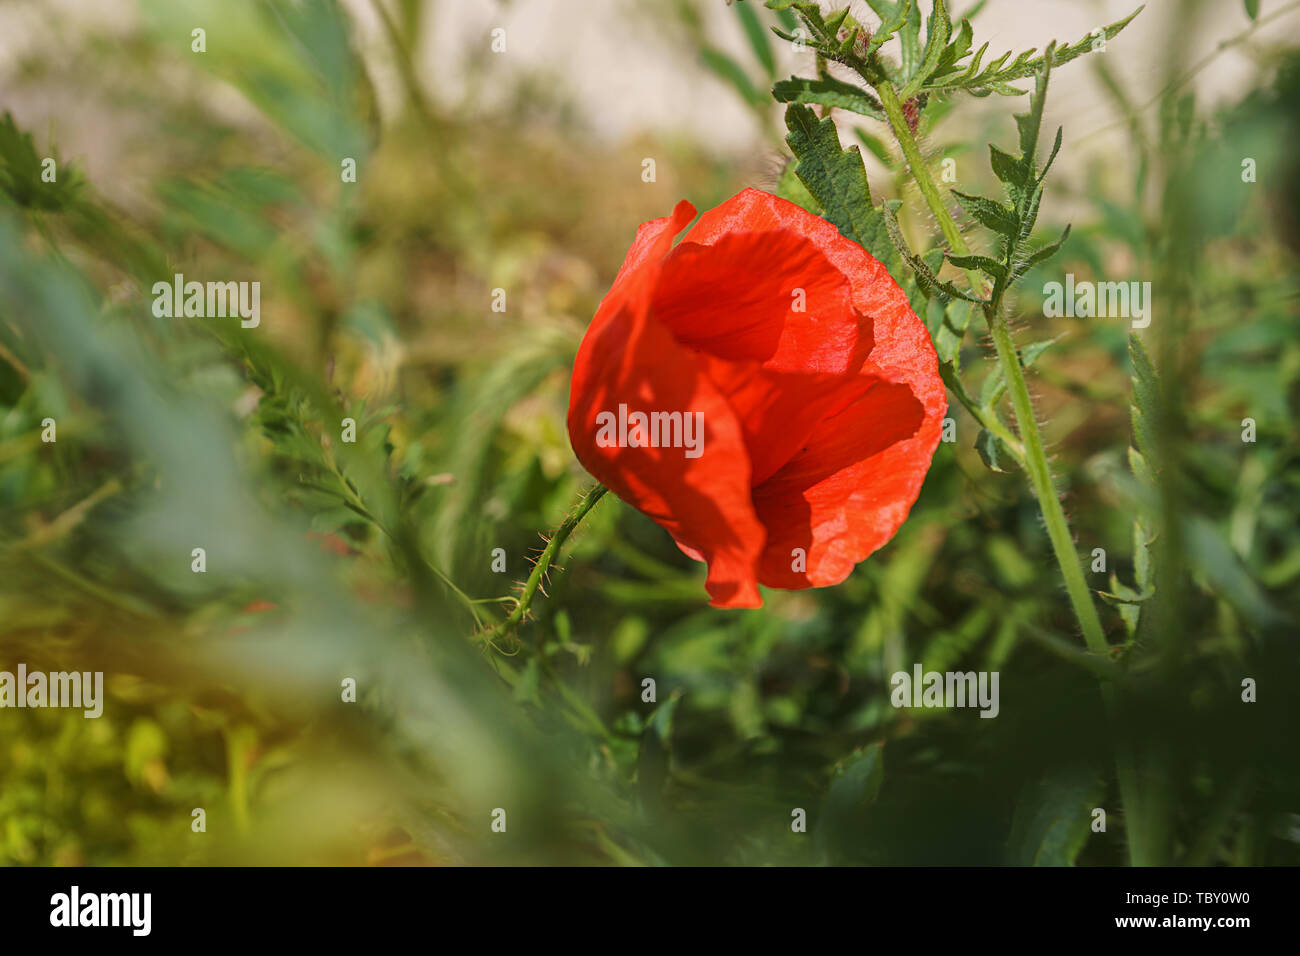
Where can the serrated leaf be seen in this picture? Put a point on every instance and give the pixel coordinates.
(925, 277)
(828, 91)
(954, 52)
(891, 21)
(1007, 168)
(989, 213)
(986, 264)
(997, 76)
(837, 179)
(1028, 211)
(1043, 254)
(938, 29)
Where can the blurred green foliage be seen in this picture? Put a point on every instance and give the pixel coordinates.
(328, 560)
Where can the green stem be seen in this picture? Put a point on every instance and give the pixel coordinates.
(912, 153)
(546, 559)
(1036, 467)
(353, 502)
(921, 174)
(1040, 477)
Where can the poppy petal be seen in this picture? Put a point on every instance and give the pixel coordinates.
(629, 359)
(851, 487)
(846, 493)
(775, 322)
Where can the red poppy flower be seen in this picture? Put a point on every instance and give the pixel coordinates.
(762, 390)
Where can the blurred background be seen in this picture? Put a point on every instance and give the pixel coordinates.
(520, 169)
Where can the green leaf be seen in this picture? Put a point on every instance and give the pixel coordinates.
(956, 318)
(730, 72)
(989, 212)
(1043, 254)
(925, 276)
(1142, 570)
(1028, 125)
(1053, 818)
(992, 451)
(887, 9)
(855, 787)
(858, 781)
(938, 29)
(295, 62)
(909, 35)
(996, 76)
(1211, 556)
(790, 188)
(784, 16)
(655, 753)
(828, 91)
(891, 21)
(1056, 148)
(1252, 8)
(1120, 593)
(992, 267)
(1146, 398)
(837, 179)
(1137, 464)
(948, 372)
(994, 385)
(1007, 168)
(954, 52)
(837, 19)
(21, 168)
(757, 36)
(876, 146)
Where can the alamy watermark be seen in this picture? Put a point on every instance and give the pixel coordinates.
(210, 300)
(946, 689)
(651, 430)
(82, 690)
(1086, 300)
(75, 908)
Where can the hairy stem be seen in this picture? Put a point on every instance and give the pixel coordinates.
(912, 153)
(546, 559)
(1040, 478)
(1036, 467)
